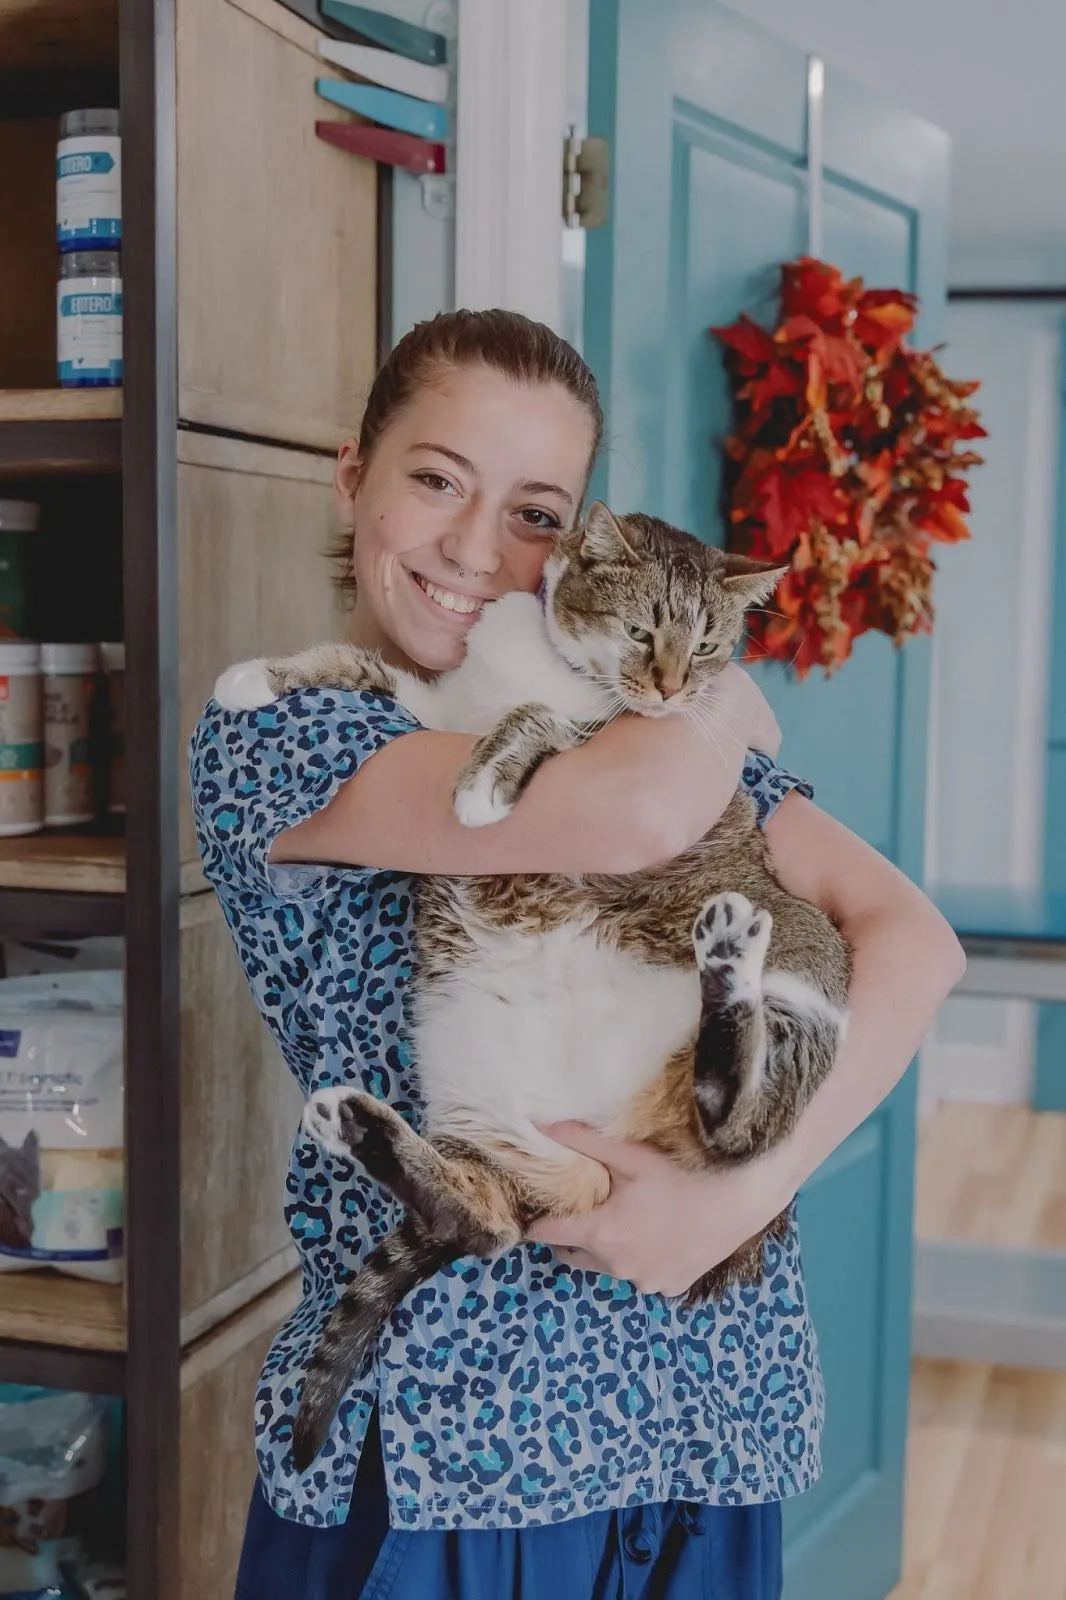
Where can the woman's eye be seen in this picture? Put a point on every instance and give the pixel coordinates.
(543, 521)
(638, 634)
(433, 480)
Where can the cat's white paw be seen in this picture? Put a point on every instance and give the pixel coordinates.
(244, 687)
(730, 937)
(322, 1119)
(480, 802)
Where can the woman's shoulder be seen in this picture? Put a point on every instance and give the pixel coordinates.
(254, 774)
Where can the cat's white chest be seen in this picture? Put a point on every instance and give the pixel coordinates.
(510, 661)
(534, 1028)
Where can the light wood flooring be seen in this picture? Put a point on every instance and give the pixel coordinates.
(986, 1459)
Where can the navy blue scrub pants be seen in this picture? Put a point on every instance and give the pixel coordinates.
(662, 1552)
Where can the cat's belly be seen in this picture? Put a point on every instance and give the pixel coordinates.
(538, 1028)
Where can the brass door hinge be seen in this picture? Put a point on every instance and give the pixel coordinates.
(586, 181)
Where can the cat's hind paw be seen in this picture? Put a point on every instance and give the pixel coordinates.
(731, 939)
(245, 687)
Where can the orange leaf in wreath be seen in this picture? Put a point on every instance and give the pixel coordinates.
(940, 512)
(883, 317)
(751, 343)
(815, 289)
(838, 357)
(789, 499)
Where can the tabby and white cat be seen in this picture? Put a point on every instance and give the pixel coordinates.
(694, 1006)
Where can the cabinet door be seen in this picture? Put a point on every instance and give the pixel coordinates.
(707, 119)
(254, 526)
(277, 233)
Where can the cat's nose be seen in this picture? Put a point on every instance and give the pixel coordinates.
(668, 683)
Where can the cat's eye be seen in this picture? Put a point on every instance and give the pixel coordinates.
(706, 647)
(638, 634)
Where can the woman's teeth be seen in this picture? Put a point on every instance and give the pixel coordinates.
(446, 598)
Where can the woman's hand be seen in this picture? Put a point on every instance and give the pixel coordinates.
(661, 1228)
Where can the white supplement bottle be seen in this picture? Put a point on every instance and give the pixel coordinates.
(113, 660)
(89, 181)
(69, 673)
(89, 320)
(21, 749)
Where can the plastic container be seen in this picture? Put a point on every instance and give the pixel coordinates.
(69, 677)
(89, 320)
(113, 660)
(89, 181)
(19, 521)
(21, 746)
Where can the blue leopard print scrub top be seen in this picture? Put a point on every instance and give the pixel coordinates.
(512, 1392)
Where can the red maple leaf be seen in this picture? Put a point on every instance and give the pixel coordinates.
(751, 343)
(788, 499)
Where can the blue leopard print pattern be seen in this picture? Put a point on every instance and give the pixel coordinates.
(513, 1392)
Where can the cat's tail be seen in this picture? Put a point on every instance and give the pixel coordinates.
(408, 1256)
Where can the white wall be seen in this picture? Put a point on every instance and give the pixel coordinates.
(989, 705)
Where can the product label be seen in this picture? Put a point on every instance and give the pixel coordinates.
(89, 190)
(21, 752)
(89, 335)
(74, 1225)
(10, 1039)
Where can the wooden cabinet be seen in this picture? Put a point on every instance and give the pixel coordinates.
(254, 526)
(240, 1109)
(217, 1472)
(249, 261)
(277, 236)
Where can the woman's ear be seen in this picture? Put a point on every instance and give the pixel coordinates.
(347, 476)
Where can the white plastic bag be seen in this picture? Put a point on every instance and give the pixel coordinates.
(53, 1448)
(61, 1132)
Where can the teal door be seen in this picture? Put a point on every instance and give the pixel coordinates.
(708, 122)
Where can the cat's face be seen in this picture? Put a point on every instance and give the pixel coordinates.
(20, 1184)
(647, 610)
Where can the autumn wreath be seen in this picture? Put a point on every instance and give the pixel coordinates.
(844, 462)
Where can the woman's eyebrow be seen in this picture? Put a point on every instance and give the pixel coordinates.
(547, 488)
(453, 455)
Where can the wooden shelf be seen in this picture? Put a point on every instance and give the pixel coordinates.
(49, 48)
(63, 862)
(60, 430)
(58, 405)
(51, 1309)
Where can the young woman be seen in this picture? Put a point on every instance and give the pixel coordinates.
(552, 1422)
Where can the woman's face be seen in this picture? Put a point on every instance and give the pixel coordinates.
(456, 506)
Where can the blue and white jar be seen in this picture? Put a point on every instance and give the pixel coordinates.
(89, 330)
(89, 181)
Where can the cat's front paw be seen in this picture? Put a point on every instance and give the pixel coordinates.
(245, 687)
(481, 799)
(731, 939)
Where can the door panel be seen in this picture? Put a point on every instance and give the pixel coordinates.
(706, 116)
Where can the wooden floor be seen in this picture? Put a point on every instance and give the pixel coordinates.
(986, 1454)
(993, 1175)
(986, 1485)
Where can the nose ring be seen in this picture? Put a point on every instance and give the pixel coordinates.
(475, 573)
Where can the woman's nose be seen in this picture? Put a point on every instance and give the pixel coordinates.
(473, 544)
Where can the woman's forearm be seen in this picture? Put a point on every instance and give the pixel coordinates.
(906, 960)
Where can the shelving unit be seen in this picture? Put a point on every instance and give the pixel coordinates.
(215, 460)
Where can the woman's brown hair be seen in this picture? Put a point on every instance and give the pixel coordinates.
(504, 341)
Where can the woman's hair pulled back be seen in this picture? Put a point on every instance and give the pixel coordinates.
(504, 342)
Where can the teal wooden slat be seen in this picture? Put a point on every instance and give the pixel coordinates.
(706, 116)
(1049, 1093)
(392, 110)
(420, 44)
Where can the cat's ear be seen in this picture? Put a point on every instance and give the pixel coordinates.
(750, 581)
(30, 1142)
(602, 538)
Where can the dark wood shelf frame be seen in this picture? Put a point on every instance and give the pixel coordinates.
(28, 448)
(45, 913)
(150, 585)
(63, 1367)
